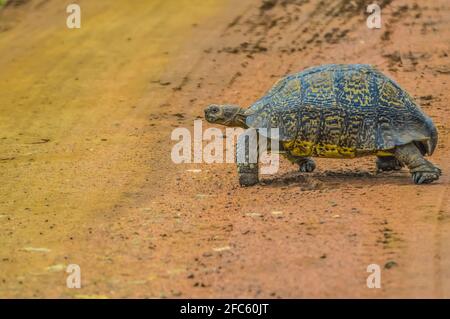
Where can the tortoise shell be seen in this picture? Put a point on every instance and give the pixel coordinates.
(342, 111)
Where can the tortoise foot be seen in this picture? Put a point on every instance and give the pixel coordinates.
(248, 179)
(424, 177)
(307, 166)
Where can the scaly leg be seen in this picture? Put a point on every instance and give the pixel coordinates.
(388, 163)
(247, 158)
(422, 171)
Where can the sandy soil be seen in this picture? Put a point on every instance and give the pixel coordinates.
(86, 175)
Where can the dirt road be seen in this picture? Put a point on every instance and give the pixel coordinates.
(87, 177)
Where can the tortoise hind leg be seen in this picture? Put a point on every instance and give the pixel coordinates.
(247, 158)
(422, 171)
(388, 163)
(306, 164)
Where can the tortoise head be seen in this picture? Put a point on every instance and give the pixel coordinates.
(229, 115)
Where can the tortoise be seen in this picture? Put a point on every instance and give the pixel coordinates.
(339, 111)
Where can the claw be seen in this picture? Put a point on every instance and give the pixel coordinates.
(421, 179)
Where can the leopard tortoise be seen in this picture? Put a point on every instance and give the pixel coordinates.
(339, 111)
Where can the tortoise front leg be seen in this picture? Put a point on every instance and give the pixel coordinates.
(247, 158)
(305, 164)
(422, 171)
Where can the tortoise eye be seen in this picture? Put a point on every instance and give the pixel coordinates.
(215, 110)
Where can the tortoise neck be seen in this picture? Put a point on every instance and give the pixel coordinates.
(234, 116)
(239, 119)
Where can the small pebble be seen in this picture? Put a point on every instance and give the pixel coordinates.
(194, 170)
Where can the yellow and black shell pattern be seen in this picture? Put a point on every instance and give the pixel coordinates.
(342, 111)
